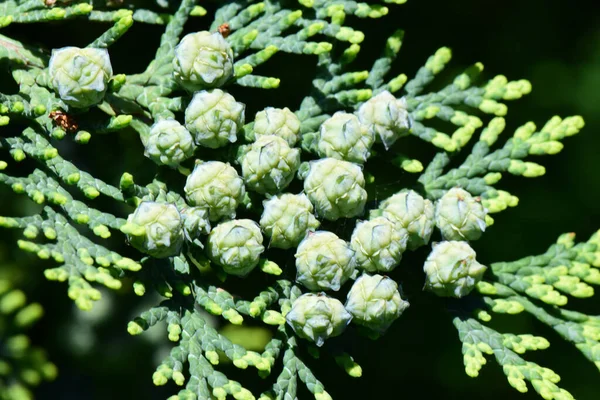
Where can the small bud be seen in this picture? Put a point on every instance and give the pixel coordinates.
(324, 261)
(202, 60)
(317, 317)
(217, 187)
(214, 118)
(344, 137)
(375, 302)
(169, 143)
(452, 270)
(287, 218)
(279, 122)
(336, 188)
(460, 216)
(80, 76)
(269, 165)
(386, 116)
(236, 246)
(163, 234)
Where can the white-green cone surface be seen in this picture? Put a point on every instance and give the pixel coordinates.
(335, 187)
(386, 117)
(460, 216)
(269, 165)
(412, 212)
(80, 76)
(375, 302)
(202, 60)
(236, 246)
(195, 222)
(217, 187)
(163, 228)
(452, 270)
(279, 122)
(324, 261)
(317, 317)
(287, 218)
(214, 118)
(344, 137)
(169, 143)
(378, 244)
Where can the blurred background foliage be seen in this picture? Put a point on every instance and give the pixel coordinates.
(556, 45)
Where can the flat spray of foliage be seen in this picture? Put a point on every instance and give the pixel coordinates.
(233, 162)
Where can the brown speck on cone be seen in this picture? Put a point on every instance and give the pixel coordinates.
(224, 29)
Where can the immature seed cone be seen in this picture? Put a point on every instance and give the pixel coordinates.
(324, 261)
(412, 212)
(386, 116)
(460, 216)
(452, 270)
(317, 317)
(80, 76)
(214, 118)
(215, 186)
(236, 246)
(375, 302)
(335, 187)
(287, 219)
(195, 222)
(202, 60)
(279, 122)
(169, 143)
(378, 244)
(269, 165)
(344, 137)
(163, 227)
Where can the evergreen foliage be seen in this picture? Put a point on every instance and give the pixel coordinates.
(191, 249)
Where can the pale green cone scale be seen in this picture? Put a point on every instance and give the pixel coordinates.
(216, 186)
(452, 270)
(460, 216)
(375, 302)
(287, 218)
(318, 317)
(161, 233)
(80, 76)
(335, 187)
(214, 118)
(169, 143)
(324, 261)
(279, 122)
(202, 60)
(236, 246)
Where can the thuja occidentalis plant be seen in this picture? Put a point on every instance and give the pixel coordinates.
(287, 194)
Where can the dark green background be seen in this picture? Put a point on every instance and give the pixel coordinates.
(554, 44)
